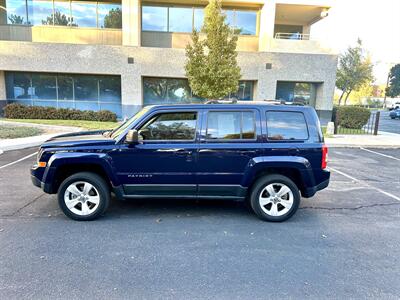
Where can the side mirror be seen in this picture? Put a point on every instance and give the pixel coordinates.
(132, 137)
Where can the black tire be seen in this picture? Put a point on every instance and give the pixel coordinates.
(258, 188)
(100, 186)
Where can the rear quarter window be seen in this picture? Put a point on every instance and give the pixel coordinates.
(286, 126)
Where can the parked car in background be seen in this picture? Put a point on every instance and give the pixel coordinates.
(395, 113)
(268, 155)
(395, 106)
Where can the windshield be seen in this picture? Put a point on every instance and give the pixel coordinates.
(120, 129)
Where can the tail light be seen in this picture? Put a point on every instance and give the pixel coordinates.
(324, 162)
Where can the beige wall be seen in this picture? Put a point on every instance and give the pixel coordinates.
(61, 34)
(2, 86)
(180, 40)
(167, 62)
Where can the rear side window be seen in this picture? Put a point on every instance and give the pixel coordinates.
(231, 125)
(286, 126)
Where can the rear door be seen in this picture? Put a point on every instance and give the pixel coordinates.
(230, 138)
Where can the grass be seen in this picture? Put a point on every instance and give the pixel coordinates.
(13, 132)
(87, 125)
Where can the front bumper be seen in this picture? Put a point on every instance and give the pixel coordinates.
(37, 182)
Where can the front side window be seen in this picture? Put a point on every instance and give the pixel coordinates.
(231, 125)
(170, 126)
(282, 125)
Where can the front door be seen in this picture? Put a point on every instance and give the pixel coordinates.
(163, 164)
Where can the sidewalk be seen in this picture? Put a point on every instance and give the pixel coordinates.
(33, 141)
(382, 140)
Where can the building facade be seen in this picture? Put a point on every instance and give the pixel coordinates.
(121, 55)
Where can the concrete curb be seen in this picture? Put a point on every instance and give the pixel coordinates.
(33, 141)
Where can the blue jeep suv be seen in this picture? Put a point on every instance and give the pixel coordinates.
(265, 154)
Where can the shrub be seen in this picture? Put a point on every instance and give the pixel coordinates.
(19, 111)
(352, 116)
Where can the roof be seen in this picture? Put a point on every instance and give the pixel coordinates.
(238, 104)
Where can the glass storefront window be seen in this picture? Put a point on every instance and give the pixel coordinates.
(101, 14)
(18, 86)
(84, 13)
(40, 12)
(109, 15)
(154, 18)
(246, 22)
(175, 91)
(44, 86)
(198, 18)
(180, 19)
(300, 92)
(91, 92)
(185, 19)
(65, 85)
(110, 89)
(16, 12)
(86, 88)
(62, 13)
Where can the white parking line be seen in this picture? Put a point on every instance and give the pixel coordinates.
(366, 184)
(381, 154)
(17, 161)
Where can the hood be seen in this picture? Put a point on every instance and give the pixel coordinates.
(78, 139)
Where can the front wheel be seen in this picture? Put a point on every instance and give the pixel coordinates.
(83, 196)
(275, 198)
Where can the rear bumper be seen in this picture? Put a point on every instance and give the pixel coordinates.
(310, 191)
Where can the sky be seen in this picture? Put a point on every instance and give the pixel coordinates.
(375, 22)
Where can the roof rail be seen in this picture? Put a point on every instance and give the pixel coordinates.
(215, 101)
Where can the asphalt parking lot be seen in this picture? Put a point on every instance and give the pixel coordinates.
(343, 243)
(387, 124)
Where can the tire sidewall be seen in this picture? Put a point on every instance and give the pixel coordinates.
(259, 187)
(98, 183)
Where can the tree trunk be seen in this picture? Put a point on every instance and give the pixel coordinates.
(347, 96)
(341, 96)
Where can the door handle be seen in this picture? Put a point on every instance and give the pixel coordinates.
(183, 152)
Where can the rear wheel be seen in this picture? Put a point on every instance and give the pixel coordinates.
(275, 198)
(83, 196)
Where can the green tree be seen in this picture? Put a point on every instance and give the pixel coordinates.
(59, 19)
(211, 65)
(15, 19)
(113, 19)
(355, 69)
(393, 90)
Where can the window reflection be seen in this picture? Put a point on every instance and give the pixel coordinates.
(246, 22)
(180, 19)
(92, 92)
(154, 18)
(299, 92)
(84, 13)
(185, 19)
(109, 15)
(62, 13)
(198, 18)
(102, 14)
(286, 126)
(175, 91)
(40, 12)
(16, 12)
